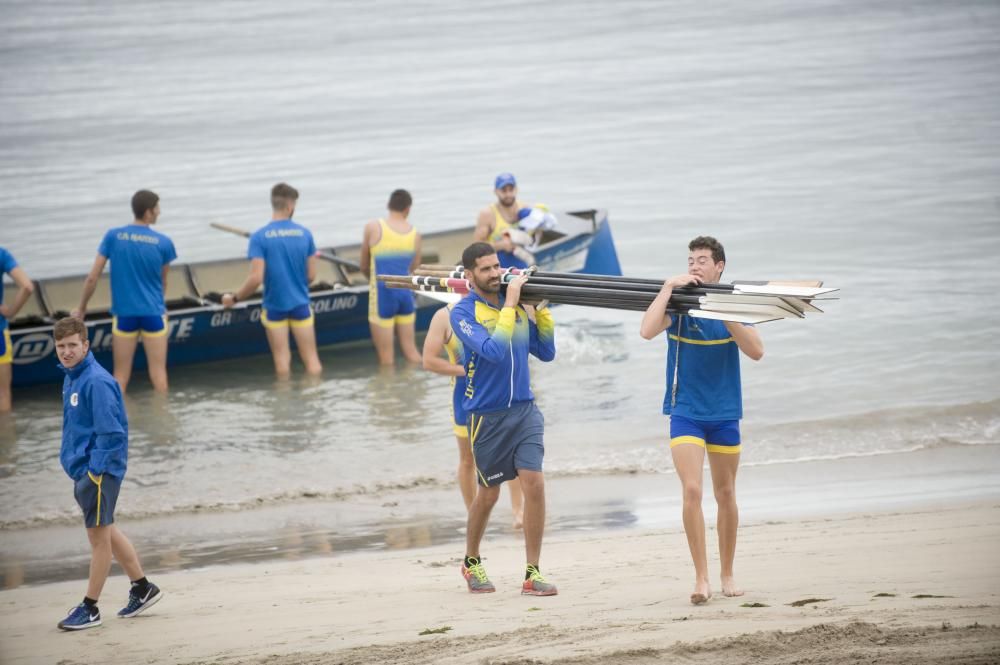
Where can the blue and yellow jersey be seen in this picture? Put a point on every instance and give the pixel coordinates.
(497, 343)
(708, 370)
(501, 225)
(393, 253)
(7, 263)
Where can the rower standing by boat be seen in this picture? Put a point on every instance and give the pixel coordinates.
(283, 257)
(140, 259)
(505, 427)
(8, 266)
(705, 404)
(440, 337)
(391, 246)
(498, 218)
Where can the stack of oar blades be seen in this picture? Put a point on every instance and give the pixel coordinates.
(741, 301)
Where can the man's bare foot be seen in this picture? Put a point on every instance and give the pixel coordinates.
(729, 588)
(702, 593)
(518, 522)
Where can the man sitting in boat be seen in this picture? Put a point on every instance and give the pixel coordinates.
(283, 256)
(391, 246)
(498, 222)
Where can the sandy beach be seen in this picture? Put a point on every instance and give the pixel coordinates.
(915, 585)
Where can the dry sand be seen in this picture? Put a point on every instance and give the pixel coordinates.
(623, 599)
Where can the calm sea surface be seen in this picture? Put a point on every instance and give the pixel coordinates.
(840, 141)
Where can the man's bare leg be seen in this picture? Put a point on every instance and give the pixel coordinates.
(281, 352)
(305, 342)
(724, 466)
(6, 374)
(407, 333)
(466, 472)
(156, 360)
(100, 559)
(479, 517)
(123, 352)
(124, 553)
(516, 502)
(689, 460)
(533, 487)
(382, 340)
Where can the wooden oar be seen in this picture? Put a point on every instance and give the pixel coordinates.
(323, 254)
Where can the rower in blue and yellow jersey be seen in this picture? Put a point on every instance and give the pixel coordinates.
(440, 337)
(498, 218)
(140, 260)
(391, 246)
(283, 257)
(8, 265)
(704, 402)
(505, 427)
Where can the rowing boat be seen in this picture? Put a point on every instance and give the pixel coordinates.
(200, 330)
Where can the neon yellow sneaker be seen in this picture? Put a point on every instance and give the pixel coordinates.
(475, 576)
(536, 585)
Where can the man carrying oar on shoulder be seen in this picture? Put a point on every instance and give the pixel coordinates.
(283, 256)
(705, 404)
(505, 426)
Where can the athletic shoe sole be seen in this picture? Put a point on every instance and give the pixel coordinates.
(149, 603)
(532, 592)
(82, 626)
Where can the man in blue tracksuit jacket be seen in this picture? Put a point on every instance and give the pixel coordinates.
(505, 426)
(94, 454)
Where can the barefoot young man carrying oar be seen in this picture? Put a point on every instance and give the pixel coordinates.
(705, 404)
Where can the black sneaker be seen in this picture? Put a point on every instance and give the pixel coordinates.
(138, 604)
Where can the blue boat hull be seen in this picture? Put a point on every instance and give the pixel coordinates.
(208, 333)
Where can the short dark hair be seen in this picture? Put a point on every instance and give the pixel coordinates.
(142, 201)
(67, 326)
(709, 243)
(282, 194)
(474, 252)
(400, 200)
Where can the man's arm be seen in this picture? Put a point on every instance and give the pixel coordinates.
(417, 254)
(747, 339)
(434, 345)
(484, 227)
(475, 337)
(543, 335)
(366, 248)
(656, 320)
(249, 286)
(89, 285)
(311, 268)
(23, 293)
(110, 440)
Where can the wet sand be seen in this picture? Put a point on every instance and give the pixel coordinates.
(911, 585)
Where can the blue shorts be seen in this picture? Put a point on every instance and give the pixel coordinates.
(6, 349)
(299, 317)
(459, 416)
(97, 497)
(130, 326)
(503, 442)
(717, 436)
(387, 307)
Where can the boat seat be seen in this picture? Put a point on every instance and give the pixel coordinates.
(180, 291)
(62, 296)
(32, 313)
(213, 279)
